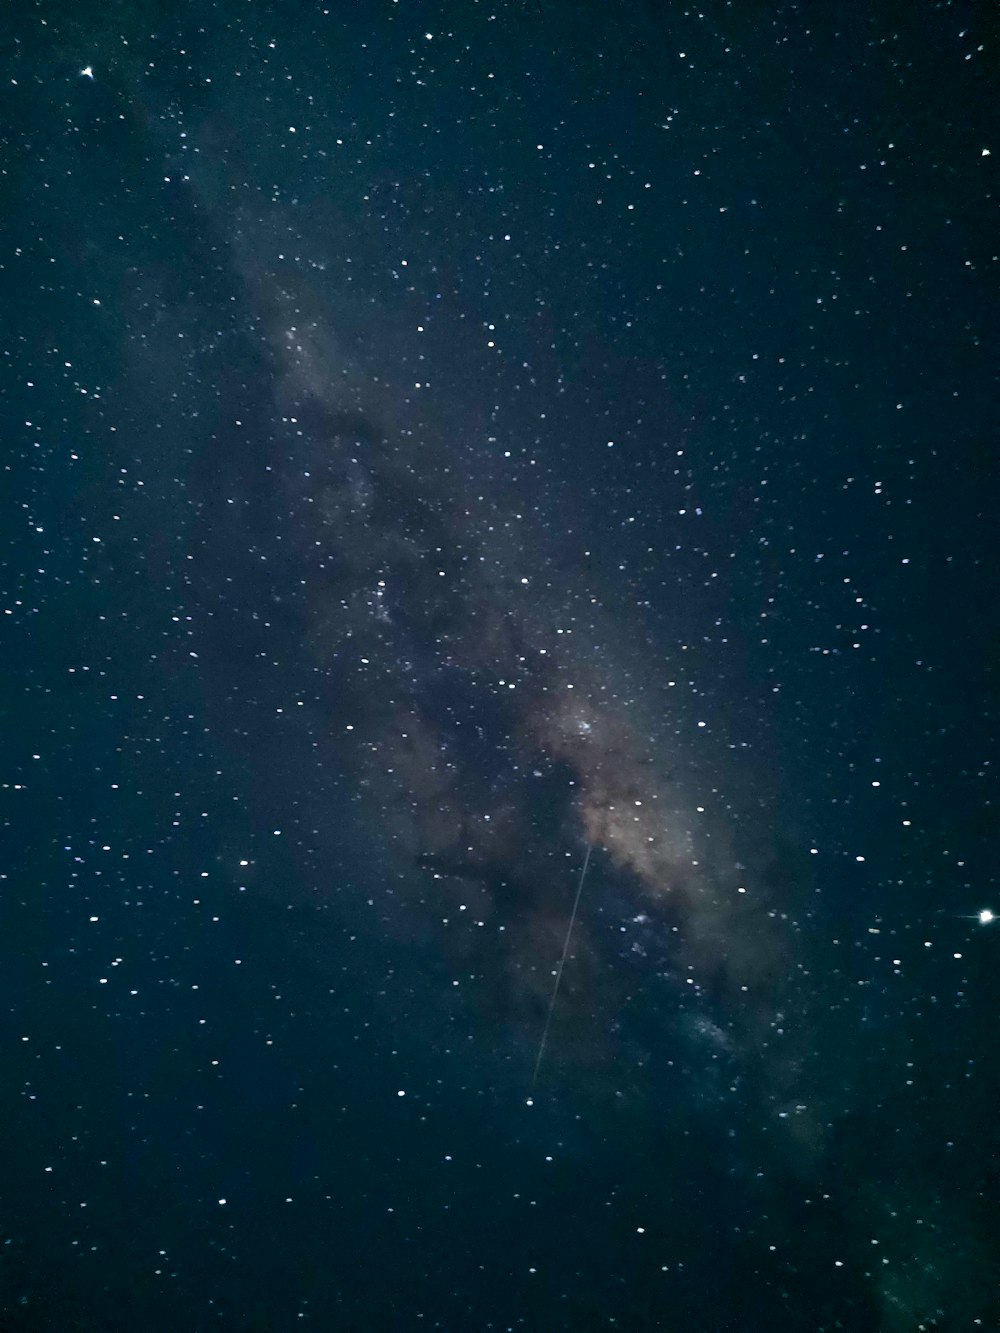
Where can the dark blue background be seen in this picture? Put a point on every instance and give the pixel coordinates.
(751, 246)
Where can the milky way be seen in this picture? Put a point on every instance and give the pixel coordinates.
(493, 577)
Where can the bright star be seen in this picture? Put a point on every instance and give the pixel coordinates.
(87, 73)
(985, 917)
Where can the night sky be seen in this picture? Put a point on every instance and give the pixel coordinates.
(459, 459)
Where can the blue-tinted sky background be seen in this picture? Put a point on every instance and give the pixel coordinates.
(441, 440)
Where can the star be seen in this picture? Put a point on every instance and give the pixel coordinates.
(87, 72)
